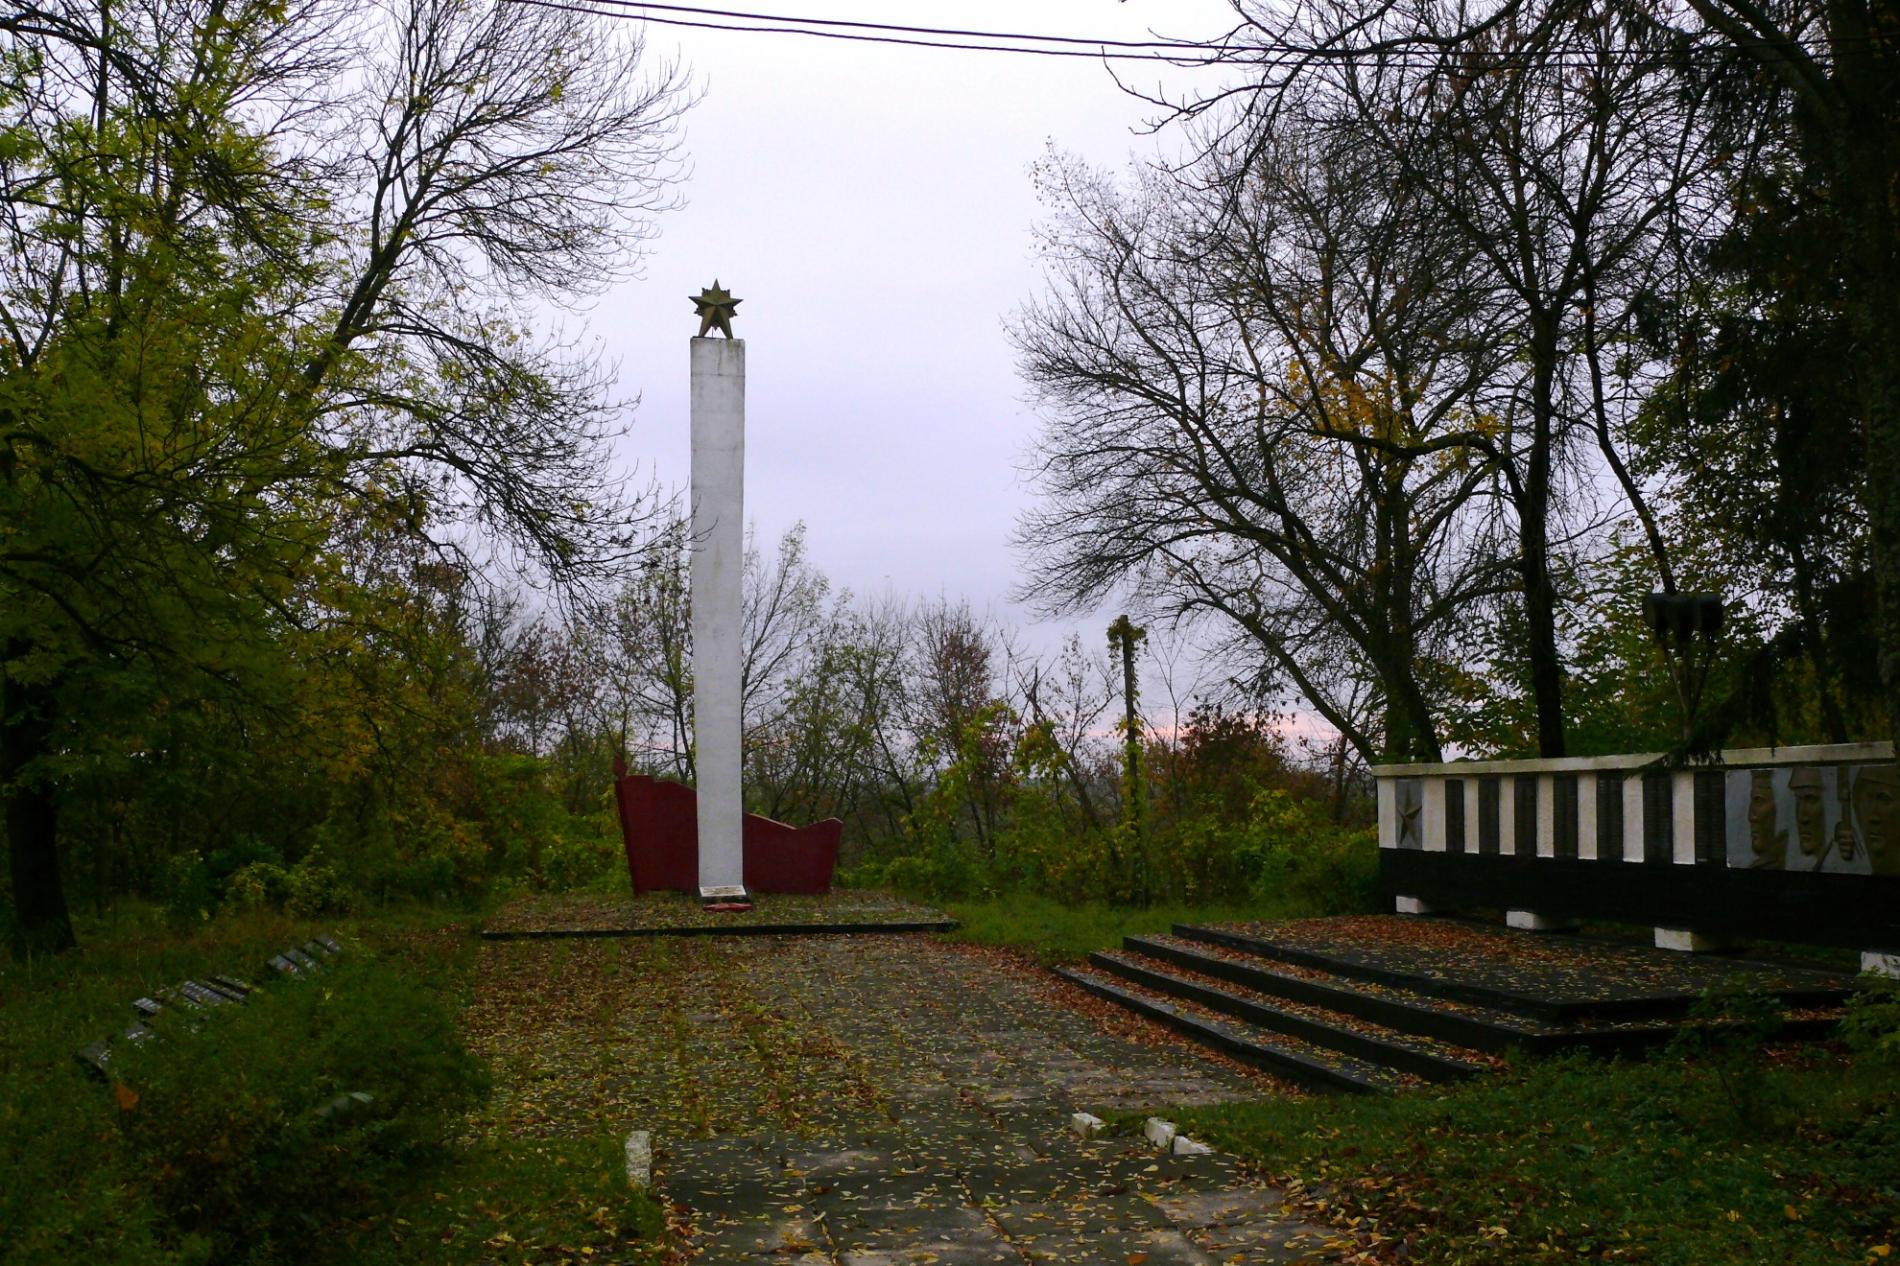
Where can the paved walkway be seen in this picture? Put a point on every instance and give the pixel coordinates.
(956, 1149)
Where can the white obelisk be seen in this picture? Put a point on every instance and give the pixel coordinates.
(718, 558)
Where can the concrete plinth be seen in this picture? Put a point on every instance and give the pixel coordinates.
(1691, 942)
(718, 560)
(1531, 921)
(1881, 963)
(1414, 905)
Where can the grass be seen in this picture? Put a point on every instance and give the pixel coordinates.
(78, 1178)
(550, 1200)
(1733, 1156)
(1060, 932)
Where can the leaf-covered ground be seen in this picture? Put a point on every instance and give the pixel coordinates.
(865, 1100)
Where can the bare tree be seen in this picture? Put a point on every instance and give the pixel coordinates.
(506, 154)
(957, 712)
(1217, 343)
(1571, 176)
(1593, 148)
(786, 630)
(1069, 694)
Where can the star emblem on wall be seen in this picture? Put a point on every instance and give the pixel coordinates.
(714, 306)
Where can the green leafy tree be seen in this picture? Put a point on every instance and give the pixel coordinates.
(1759, 436)
(242, 307)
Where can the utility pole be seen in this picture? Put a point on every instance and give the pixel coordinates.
(1124, 637)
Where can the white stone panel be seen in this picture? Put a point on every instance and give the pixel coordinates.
(1434, 814)
(1587, 817)
(1632, 819)
(1682, 812)
(1388, 813)
(1546, 815)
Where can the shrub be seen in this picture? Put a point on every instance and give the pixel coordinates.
(570, 860)
(314, 888)
(282, 1117)
(257, 886)
(64, 1195)
(1872, 1026)
(1299, 862)
(1729, 1026)
(948, 874)
(190, 890)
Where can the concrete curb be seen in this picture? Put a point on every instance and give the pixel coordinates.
(1167, 1139)
(744, 929)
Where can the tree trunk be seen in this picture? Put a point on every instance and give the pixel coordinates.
(1813, 638)
(1540, 598)
(1865, 170)
(1879, 378)
(41, 923)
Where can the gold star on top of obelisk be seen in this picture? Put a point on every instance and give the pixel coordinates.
(714, 307)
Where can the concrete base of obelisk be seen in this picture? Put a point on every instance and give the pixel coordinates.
(718, 559)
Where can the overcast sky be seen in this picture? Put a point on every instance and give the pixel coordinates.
(872, 206)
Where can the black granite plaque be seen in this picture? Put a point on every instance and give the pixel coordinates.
(1659, 818)
(1455, 840)
(1524, 815)
(1610, 816)
(1564, 798)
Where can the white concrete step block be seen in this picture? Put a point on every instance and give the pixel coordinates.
(1414, 905)
(1531, 921)
(1087, 1124)
(640, 1158)
(1185, 1146)
(1691, 942)
(1159, 1132)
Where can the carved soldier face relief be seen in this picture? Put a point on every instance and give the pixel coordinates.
(1804, 784)
(1769, 851)
(1875, 801)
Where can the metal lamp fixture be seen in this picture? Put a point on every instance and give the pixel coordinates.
(1685, 626)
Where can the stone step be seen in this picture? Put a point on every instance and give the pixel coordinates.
(1663, 1007)
(1279, 1053)
(1488, 1029)
(1316, 1024)
(1262, 947)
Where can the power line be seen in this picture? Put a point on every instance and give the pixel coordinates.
(1011, 36)
(1415, 51)
(630, 10)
